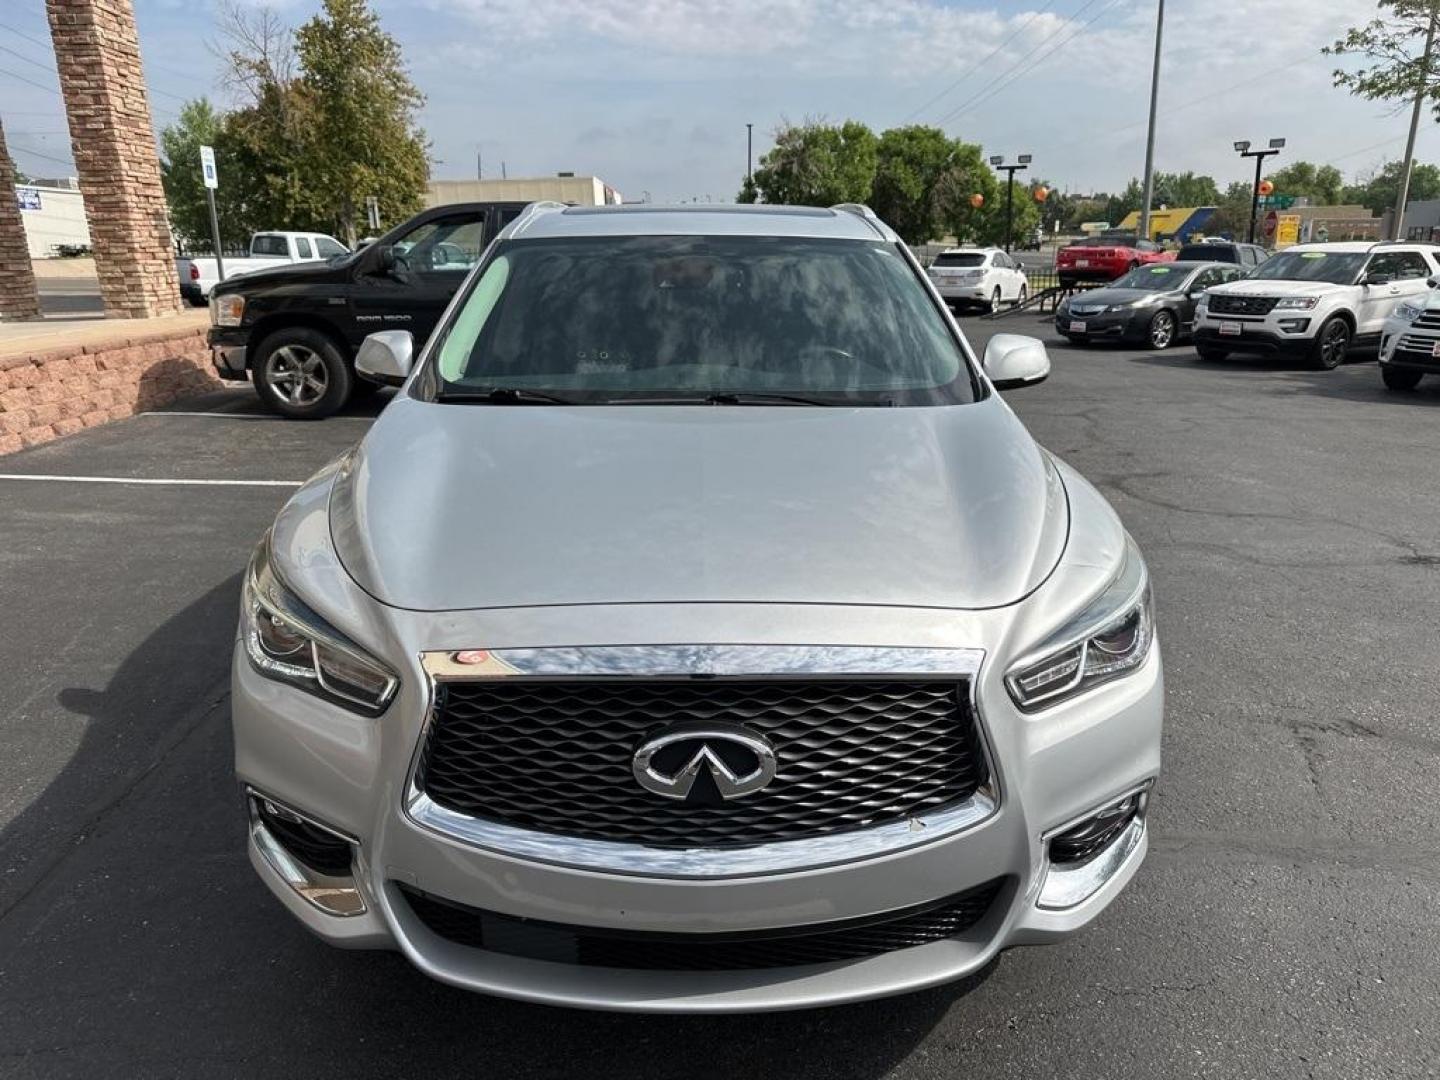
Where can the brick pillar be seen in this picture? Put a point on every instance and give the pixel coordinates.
(18, 298)
(97, 52)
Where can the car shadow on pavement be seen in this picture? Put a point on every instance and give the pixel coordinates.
(132, 888)
(1355, 380)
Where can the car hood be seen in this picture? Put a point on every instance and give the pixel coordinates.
(446, 507)
(1093, 297)
(286, 273)
(1276, 287)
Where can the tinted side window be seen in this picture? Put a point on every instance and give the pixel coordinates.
(326, 247)
(302, 248)
(1410, 265)
(268, 244)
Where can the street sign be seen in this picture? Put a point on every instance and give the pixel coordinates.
(1278, 202)
(1288, 231)
(29, 198)
(207, 167)
(1271, 222)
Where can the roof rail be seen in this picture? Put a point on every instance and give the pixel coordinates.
(531, 212)
(864, 213)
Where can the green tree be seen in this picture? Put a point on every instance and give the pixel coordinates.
(1379, 190)
(967, 175)
(1322, 184)
(816, 164)
(1117, 206)
(1394, 45)
(1081, 211)
(361, 124)
(1232, 212)
(1184, 189)
(909, 164)
(200, 125)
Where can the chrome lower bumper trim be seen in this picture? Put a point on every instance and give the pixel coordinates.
(339, 896)
(1066, 886)
(644, 861)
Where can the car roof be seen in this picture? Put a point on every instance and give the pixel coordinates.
(969, 250)
(1355, 247)
(845, 222)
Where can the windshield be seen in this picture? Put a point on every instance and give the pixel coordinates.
(960, 258)
(1337, 268)
(1153, 278)
(593, 320)
(1208, 253)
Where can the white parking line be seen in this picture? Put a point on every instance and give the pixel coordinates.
(174, 481)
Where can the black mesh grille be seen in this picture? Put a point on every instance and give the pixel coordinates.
(792, 947)
(1093, 835)
(310, 844)
(556, 756)
(1223, 304)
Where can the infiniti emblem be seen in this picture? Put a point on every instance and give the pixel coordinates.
(704, 764)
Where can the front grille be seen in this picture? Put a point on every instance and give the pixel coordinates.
(1429, 320)
(1222, 304)
(556, 755)
(1423, 346)
(820, 943)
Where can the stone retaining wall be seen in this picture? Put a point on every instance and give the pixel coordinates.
(49, 394)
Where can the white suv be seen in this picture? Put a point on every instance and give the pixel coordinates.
(1316, 301)
(1410, 342)
(979, 277)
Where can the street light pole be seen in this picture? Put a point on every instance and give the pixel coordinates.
(749, 153)
(1150, 134)
(1243, 149)
(1010, 170)
(1421, 89)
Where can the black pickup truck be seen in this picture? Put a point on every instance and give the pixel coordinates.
(294, 331)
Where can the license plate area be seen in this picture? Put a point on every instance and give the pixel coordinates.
(1231, 329)
(1077, 326)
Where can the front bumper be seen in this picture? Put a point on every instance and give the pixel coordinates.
(1255, 337)
(1051, 769)
(1402, 346)
(1111, 325)
(228, 350)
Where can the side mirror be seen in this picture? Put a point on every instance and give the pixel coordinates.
(1377, 279)
(1013, 361)
(1195, 294)
(385, 357)
(1433, 282)
(394, 263)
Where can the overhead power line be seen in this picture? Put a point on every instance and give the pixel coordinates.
(976, 67)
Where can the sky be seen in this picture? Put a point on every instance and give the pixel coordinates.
(654, 96)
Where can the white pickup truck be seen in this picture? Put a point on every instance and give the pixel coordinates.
(267, 249)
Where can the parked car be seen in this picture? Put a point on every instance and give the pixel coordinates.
(1245, 256)
(697, 630)
(1410, 341)
(199, 276)
(293, 331)
(1316, 301)
(1151, 304)
(1106, 257)
(979, 277)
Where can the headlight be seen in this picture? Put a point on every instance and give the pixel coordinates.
(227, 309)
(288, 641)
(1109, 638)
(1297, 303)
(1408, 312)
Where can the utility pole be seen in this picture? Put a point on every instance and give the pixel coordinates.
(479, 172)
(749, 153)
(1243, 149)
(1420, 88)
(1010, 170)
(1150, 134)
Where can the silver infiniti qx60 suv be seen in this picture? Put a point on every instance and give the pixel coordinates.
(697, 630)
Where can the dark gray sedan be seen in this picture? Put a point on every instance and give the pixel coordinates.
(1152, 304)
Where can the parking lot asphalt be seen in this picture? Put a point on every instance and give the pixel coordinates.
(1284, 924)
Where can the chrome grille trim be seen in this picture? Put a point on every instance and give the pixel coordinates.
(713, 661)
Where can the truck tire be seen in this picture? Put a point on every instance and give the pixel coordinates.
(300, 373)
(1331, 344)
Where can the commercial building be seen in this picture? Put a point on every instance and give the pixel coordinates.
(1421, 221)
(563, 187)
(53, 214)
(1171, 223)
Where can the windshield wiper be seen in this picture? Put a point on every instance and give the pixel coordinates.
(504, 395)
(759, 397)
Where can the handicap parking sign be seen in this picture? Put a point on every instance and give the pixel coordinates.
(29, 198)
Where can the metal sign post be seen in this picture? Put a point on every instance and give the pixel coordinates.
(372, 212)
(212, 181)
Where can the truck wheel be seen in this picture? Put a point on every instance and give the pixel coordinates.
(1331, 344)
(1400, 378)
(300, 373)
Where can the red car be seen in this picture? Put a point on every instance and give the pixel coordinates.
(1106, 257)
